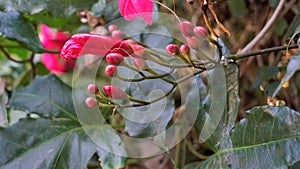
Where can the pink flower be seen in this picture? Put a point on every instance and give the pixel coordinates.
(54, 40)
(81, 44)
(132, 9)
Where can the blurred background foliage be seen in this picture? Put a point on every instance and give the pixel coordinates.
(259, 75)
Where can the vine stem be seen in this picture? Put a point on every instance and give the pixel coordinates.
(10, 58)
(31, 61)
(194, 152)
(265, 28)
(267, 50)
(163, 5)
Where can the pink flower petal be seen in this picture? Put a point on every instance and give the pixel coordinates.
(54, 40)
(132, 9)
(81, 44)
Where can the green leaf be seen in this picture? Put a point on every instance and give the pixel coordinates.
(47, 144)
(280, 26)
(266, 139)
(212, 131)
(99, 8)
(193, 165)
(60, 141)
(15, 27)
(292, 67)
(223, 96)
(150, 120)
(46, 96)
(56, 8)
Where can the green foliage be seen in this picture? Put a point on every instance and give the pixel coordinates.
(56, 139)
(47, 96)
(15, 27)
(266, 139)
(55, 8)
(148, 121)
(60, 131)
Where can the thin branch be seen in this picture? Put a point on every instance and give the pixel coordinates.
(31, 61)
(268, 50)
(194, 152)
(10, 58)
(265, 28)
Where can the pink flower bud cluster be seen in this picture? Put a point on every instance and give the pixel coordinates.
(113, 48)
(192, 33)
(111, 91)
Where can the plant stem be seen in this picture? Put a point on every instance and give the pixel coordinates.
(178, 148)
(194, 152)
(268, 50)
(31, 61)
(265, 28)
(10, 58)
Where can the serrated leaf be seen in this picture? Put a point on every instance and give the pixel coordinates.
(266, 139)
(47, 96)
(292, 67)
(47, 144)
(15, 27)
(56, 8)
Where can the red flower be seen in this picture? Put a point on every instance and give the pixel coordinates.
(132, 9)
(81, 44)
(54, 40)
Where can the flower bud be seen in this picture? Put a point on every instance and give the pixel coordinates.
(184, 49)
(112, 28)
(200, 31)
(91, 102)
(172, 49)
(130, 41)
(186, 28)
(114, 58)
(92, 88)
(81, 44)
(110, 70)
(192, 42)
(118, 34)
(139, 50)
(114, 92)
(140, 63)
(122, 47)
